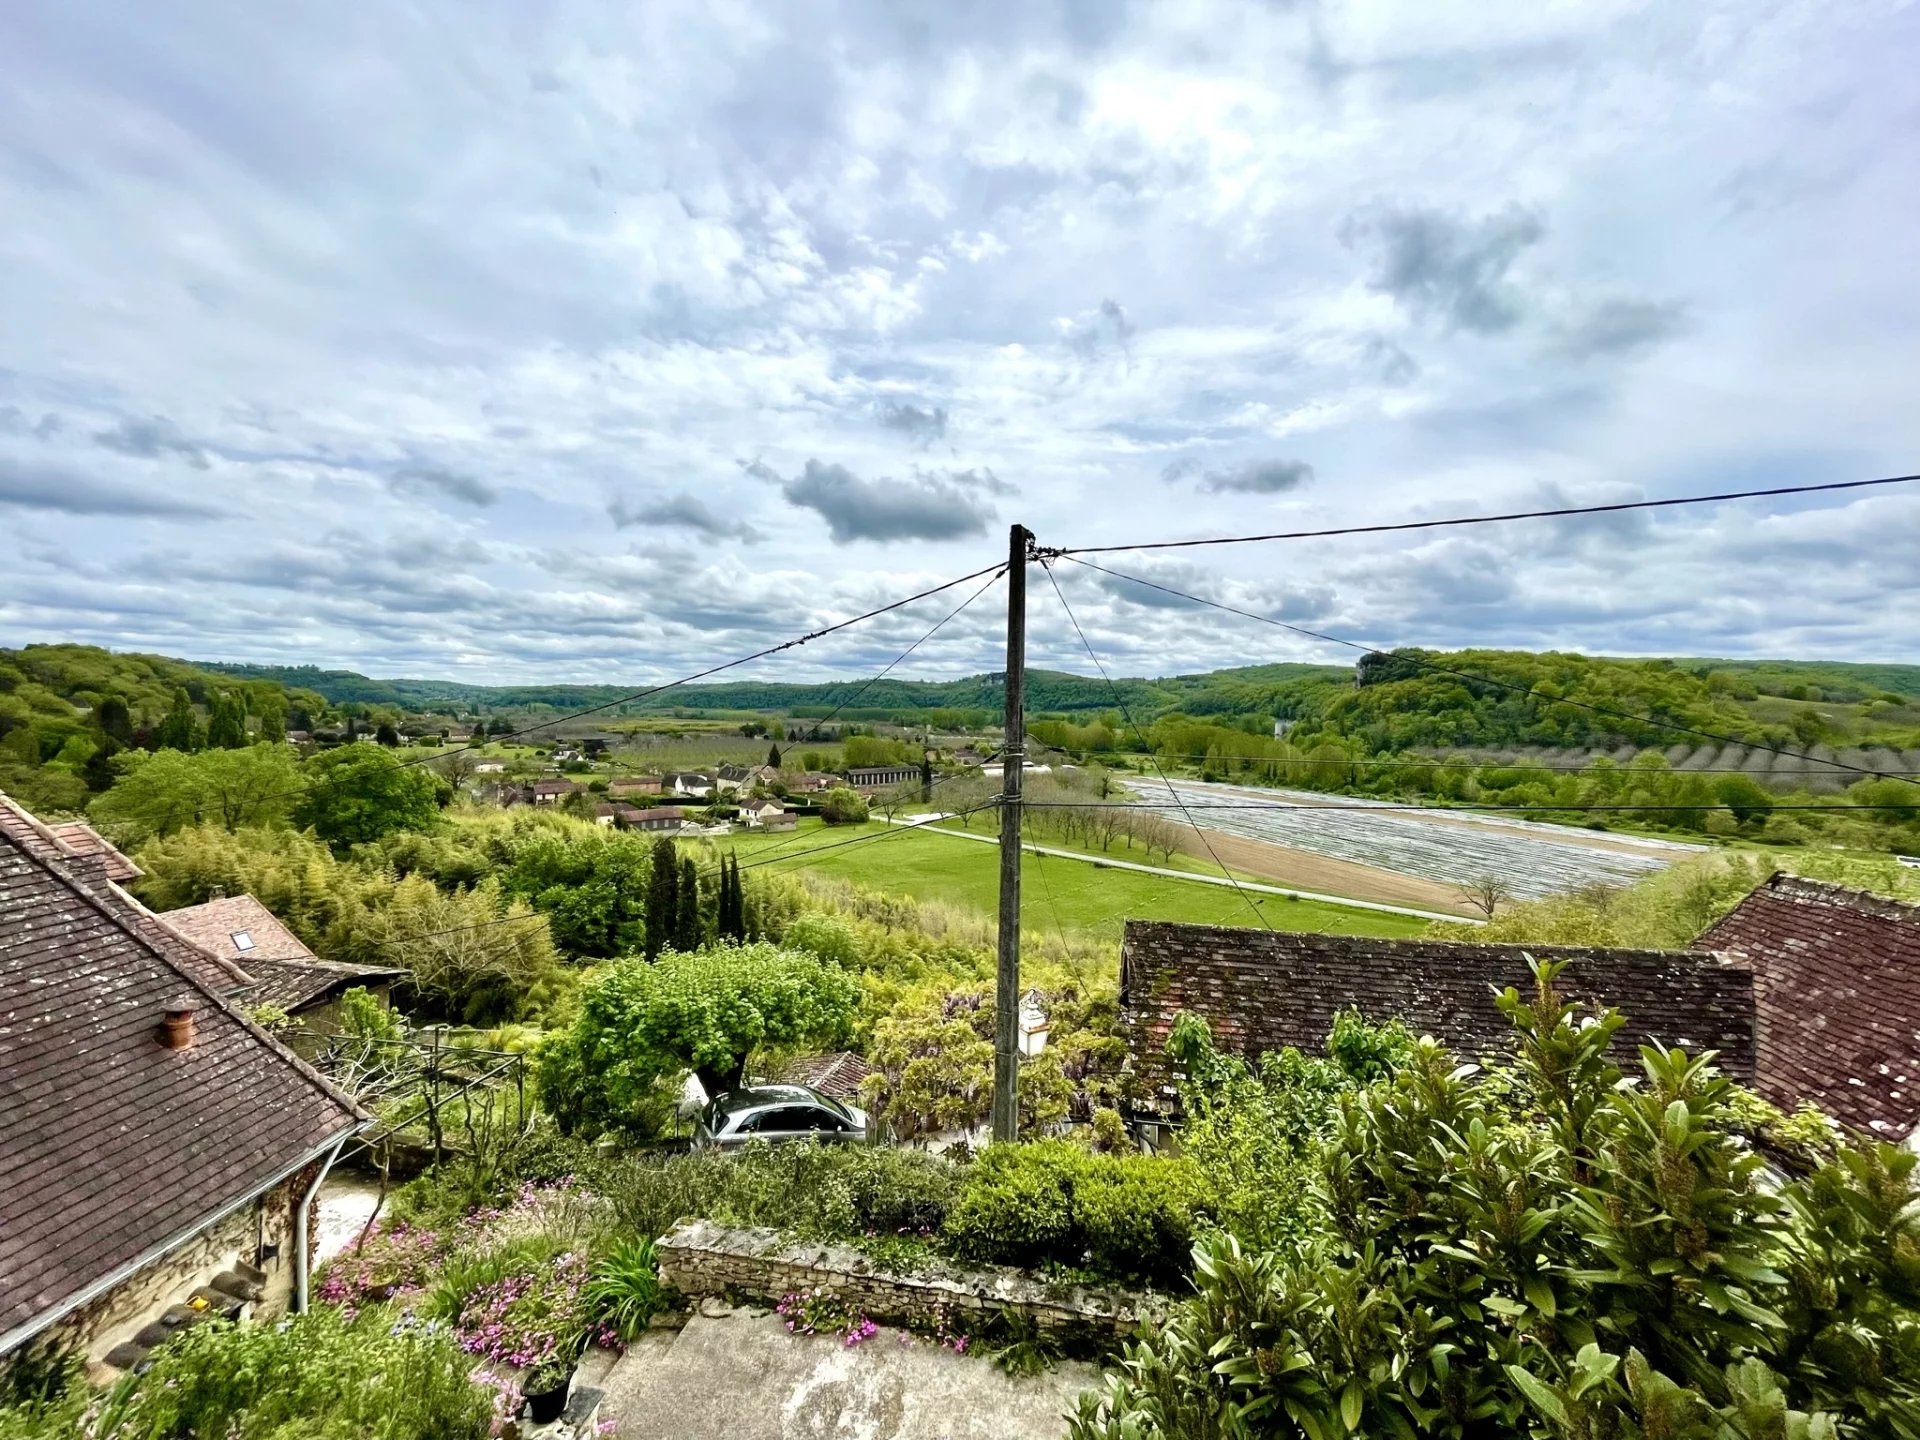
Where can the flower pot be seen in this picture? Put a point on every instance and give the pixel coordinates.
(544, 1406)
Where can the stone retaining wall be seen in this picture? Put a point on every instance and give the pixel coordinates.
(701, 1259)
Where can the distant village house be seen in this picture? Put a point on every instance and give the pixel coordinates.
(879, 777)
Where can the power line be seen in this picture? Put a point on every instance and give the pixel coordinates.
(1046, 889)
(1489, 680)
(726, 665)
(1375, 806)
(867, 684)
(938, 624)
(1621, 767)
(763, 855)
(1127, 715)
(1047, 552)
(890, 830)
(475, 925)
(687, 679)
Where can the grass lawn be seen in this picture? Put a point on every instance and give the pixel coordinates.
(1138, 855)
(1053, 891)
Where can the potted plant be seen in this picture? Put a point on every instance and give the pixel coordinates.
(551, 1377)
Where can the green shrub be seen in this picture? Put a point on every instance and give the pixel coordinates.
(1016, 1207)
(625, 1292)
(1136, 1214)
(828, 1192)
(1126, 1217)
(466, 1271)
(1550, 1250)
(317, 1376)
(43, 1394)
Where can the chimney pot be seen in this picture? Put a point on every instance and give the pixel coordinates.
(176, 1030)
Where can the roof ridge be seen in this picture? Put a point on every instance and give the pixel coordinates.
(1853, 896)
(1279, 937)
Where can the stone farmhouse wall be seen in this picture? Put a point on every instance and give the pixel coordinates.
(701, 1259)
(123, 1311)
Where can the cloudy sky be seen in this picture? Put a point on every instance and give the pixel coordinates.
(519, 340)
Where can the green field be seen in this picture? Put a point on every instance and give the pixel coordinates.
(1070, 894)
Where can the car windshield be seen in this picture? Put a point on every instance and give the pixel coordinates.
(714, 1118)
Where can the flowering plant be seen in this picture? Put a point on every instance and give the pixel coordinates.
(391, 1261)
(820, 1312)
(936, 1326)
(534, 1317)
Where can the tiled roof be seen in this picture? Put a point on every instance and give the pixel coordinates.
(1260, 991)
(287, 974)
(213, 925)
(112, 1146)
(291, 985)
(85, 840)
(837, 1074)
(1837, 989)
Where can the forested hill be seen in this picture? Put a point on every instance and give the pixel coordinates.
(1828, 679)
(1217, 692)
(1406, 701)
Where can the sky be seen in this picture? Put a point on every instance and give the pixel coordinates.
(518, 341)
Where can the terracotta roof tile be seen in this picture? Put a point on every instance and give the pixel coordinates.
(837, 1074)
(1837, 990)
(83, 839)
(292, 985)
(1261, 991)
(214, 925)
(112, 1145)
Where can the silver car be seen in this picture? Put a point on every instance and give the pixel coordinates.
(776, 1113)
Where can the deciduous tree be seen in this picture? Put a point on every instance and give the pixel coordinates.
(593, 887)
(843, 806)
(360, 792)
(167, 790)
(706, 1011)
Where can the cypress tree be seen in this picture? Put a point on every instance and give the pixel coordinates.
(114, 720)
(723, 903)
(686, 923)
(773, 756)
(181, 728)
(226, 723)
(730, 918)
(663, 896)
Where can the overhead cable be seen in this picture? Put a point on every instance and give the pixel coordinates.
(1561, 512)
(1127, 715)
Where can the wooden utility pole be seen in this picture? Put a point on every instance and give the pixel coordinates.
(1006, 1018)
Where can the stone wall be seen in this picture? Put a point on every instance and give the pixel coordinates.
(1262, 991)
(700, 1259)
(119, 1314)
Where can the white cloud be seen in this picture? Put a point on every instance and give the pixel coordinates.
(362, 327)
